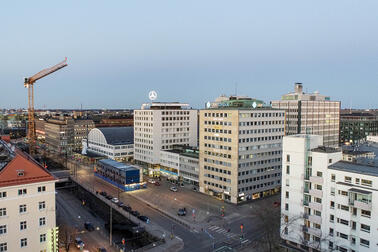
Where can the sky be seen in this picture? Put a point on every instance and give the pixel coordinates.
(188, 51)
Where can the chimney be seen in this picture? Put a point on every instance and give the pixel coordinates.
(298, 88)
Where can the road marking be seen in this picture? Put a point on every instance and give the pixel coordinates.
(195, 231)
(213, 228)
(221, 231)
(179, 238)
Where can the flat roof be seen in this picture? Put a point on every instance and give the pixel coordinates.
(324, 149)
(364, 169)
(118, 165)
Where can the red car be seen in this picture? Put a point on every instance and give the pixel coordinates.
(157, 183)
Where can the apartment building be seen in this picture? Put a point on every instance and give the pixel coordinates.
(327, 204)
(240, 151)
(159, 126)
(311, 113)
(27, 204)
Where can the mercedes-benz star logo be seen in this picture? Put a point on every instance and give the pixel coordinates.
(152, 95)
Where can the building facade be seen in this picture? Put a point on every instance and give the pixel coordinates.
(311, 113)
(355, 126)
(27, 204)
(114, 142)
(240, 152)
(159, 126)
(327, 204)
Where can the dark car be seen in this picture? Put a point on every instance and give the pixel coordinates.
(135, 213)
(89, 226)
(101, 250)
(144, 218)
(127, 208)
(103, 193)
(181, 212)
(109, 197)
(194, 189)
(120, 204)
(157, 183)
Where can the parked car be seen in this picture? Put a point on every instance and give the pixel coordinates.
(79, 243)
(109, 197)
(182, 184)
(101, 250)
(115, 200)
(181, 212)
(151, 181)
(120, 204)
(103, 193)
(173, 189)
(277, 204)
(135, 213)
(194, 189)
(127, 208)
(157, 183)
(144, 218)
(89, 226)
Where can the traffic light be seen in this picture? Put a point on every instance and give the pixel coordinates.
(123, 241)
(241, 227)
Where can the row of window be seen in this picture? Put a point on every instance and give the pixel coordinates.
(258, 139)
(256, 123)
(254, 187)
(222, 123)
(23, 243)
(242, 181)
(221, 131)
(210, 168)
(23, 191)
(217, 162)
(259, 131)
(221, 139)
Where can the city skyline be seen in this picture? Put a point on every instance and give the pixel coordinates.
(189, 52)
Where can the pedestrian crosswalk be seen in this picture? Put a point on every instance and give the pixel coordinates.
(222, 231)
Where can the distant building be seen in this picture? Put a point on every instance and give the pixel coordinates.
(234, 101)
(159, 126)
(354, 155)
(355, 126)
(115, 142)
(240, 151)
(40, 129)
(327, 204)
(311, 113)
(125, 177)
(27, 203)
(180, 163)
(115, 122)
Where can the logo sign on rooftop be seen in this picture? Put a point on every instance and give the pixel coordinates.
(152, 95)
(208, 104)
(254, 104)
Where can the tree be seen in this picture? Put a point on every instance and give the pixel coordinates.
(65, 236)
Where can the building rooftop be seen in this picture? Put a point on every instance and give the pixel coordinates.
(185, 151)
(118, 165)
(118, 135)
(18, 168)
(165, 105)
(324, 149)
(356, 152)
(365, 169)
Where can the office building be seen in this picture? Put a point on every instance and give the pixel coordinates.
(240, 151)
(159, 126)
(327, 204)
(355, 126)
(311, 113)
(27, 203)
(180, 163)
(114, 142)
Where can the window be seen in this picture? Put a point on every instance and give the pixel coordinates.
(319, 174)
(288, 169)
(287, 158)
(23, 225)
(347, 179)
(287, 182)
(287, 207)
(357, 181)
(365, 228)
(331, 232)
(3, 247)
(41, 188)
(364, 243)
(332, 218)
(344, 236)
(22, 208)
(332, 191)
(287, 195)
(366, 182)
(3, 212)
(42, 238)
(333, 177)
(330, 160)
(3, 229)
(365, 213)
(22, 191)
(41, 205)
(24, 242)
(332, 205)
(3, 195)
(42, 221)
(343, 207)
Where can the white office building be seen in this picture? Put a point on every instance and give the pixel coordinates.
(327, 204)
(159, 126)
(113, 142)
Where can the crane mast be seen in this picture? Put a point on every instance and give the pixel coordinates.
(29, 84)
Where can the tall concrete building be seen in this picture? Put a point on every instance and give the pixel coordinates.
(311, 113)
(327, 204)
(240, 151)
(27, 204)
(160, 126)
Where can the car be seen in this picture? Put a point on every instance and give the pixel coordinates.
(194, 189)
(120, 204)
(181, 212)
(182, 184)
(135, 213)
(89, 226)
(173, 189)
(157, 183)
(151, 181)
(144, 218)
(101, 250)
(103, 193)
(109, 197)
(276, 204)
(127, 208)
(115, 200)
(79, 243)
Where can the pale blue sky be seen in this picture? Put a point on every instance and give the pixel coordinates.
(189, 51)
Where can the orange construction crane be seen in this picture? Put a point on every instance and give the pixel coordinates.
(29, 84)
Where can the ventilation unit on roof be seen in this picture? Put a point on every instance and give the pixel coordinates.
(20, 173)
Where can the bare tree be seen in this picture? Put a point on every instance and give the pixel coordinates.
(65, 236)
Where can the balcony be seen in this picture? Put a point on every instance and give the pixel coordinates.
(315, 219)
(315, 231)
(316, 193)
(305, 216)
(316, 180)
(362, 205)
(315, 205)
